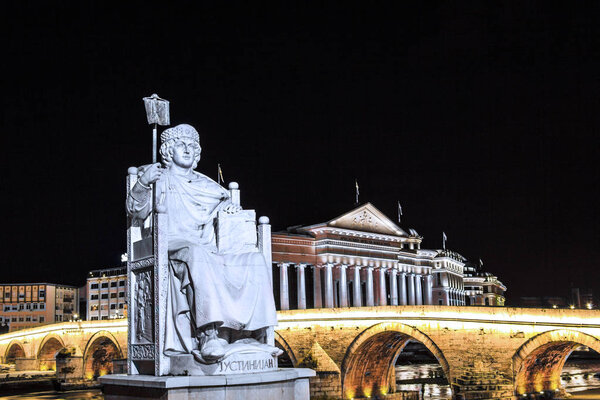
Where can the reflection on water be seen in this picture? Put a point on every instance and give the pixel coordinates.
(581, 375)
(576, 376)
(94, 394)
(423, 371)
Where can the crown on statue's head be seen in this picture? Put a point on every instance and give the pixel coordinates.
(180, 131)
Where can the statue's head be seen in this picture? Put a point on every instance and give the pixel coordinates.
(175, 141)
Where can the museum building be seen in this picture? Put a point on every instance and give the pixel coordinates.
(362, 258)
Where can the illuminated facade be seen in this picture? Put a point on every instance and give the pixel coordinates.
(107, 294)
(448, 272)
(361, 258)
(483, 288)
(27, 305)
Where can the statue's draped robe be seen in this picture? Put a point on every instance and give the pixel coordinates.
(231, 290)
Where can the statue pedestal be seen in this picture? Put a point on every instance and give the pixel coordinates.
(283, 384)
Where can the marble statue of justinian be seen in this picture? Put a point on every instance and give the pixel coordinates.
(220, 301)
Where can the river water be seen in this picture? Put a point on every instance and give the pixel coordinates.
(576, 377)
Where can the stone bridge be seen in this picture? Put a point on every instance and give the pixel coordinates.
(485, 352)
(89, 346)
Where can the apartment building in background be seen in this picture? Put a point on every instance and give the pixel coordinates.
(27, 305)
(107, 294)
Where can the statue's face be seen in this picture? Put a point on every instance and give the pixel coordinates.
(184, 152)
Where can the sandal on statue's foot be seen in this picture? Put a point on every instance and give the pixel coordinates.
(213, 349)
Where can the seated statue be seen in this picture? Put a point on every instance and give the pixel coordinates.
(219, 302)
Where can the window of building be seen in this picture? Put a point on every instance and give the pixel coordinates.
(121, 294)
(105, 317)
(120, 305)
(7, 295)
(28, 306)
(34, 306)
(94, 286)
(42, 319)
(104, 285)
(20, 319)
(113, 295)
(94, 297)
(113, 284)
(42, 293)
(122, 283)
(104, 307)
(21, 306)
(94, 307)
(7, 308)
(94, 318)
(42, 306)
(14, 319)
(105, 295)
(440, 302)
(28, 319)
(113, 306)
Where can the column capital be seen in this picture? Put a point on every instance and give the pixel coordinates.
(283, 265)
(301, 265)
(341, 266)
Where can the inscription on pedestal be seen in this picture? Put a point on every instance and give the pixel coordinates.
(246, 365)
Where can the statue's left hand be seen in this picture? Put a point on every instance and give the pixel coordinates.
(232, 209)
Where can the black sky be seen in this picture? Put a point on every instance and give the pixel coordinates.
(481, 118)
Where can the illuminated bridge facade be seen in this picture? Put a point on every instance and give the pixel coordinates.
(485, 352)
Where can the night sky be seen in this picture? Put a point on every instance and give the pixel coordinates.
(481, 118)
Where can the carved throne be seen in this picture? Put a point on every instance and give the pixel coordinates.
(148, 278)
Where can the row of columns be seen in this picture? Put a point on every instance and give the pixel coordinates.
(405, 288)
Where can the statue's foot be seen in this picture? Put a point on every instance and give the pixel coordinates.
(274, 351)
(213, 350)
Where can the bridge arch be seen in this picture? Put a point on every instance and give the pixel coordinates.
(14, 350)
(101, 349)
(283, 344)
(366, 375)
(538, 363)
(49, 346)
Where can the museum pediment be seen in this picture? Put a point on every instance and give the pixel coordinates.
(367, 218)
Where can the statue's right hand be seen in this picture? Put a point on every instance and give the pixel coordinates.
(150, 174)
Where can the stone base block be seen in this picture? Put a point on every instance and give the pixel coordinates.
(283, 384)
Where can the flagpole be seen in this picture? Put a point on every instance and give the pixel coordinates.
(399, 213)
(219, 174)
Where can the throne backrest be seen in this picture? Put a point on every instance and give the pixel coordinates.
(148, 277)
